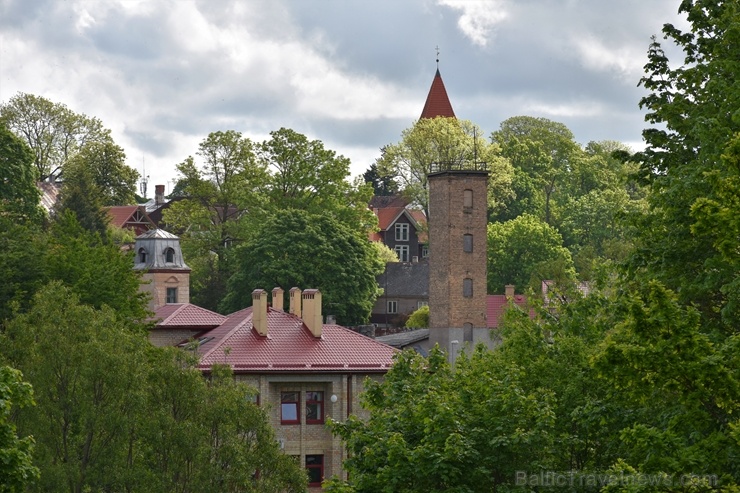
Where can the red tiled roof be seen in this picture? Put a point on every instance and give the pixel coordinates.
(496, 305)
(290, 346)
(186, 315)
(437, 104)
(130, 216)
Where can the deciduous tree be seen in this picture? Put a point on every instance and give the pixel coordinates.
(19, 196)
(296, 248)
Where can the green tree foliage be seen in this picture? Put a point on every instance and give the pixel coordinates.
(419, 319)
(16, 466)
(693, 107)
(19, 196)
(22, 265)
(304, 175)
(296, 248)
(382, 185)
(683, 389)
(434, 430)
(443, 141)
(81, 198)
(211, 214)
(114, 413)
(385, 253)
(54, 132)
(541, 152)
(526, 251)
(114, 181)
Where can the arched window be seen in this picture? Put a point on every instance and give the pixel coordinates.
(142, 255)
(169, 255)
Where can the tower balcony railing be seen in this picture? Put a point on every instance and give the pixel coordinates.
(458, 166)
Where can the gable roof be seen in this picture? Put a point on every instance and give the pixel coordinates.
(130, 216)
(186, 316)
(290, 347)
(437, 103)
(496, 305)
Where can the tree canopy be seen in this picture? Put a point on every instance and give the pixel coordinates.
(297, 248)
(18, 193)
(54, 132)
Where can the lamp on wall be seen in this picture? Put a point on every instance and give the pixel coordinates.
(333, 398)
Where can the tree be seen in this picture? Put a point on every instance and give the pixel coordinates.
(542, 152)
(305, 175)
(526, 251)
(211, 216)
(115, 182)
(419, 319)
(385, 253)
(53, 131)
(445, 141)
(692, 109)
(464, 430)
(115, 413)
(18, 193)
(683, 389)
(382, 185)
(296, 248)
(16, 467)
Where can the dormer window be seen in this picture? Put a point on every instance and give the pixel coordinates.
(142, 255)
(169, 255)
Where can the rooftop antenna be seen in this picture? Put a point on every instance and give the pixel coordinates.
(144, 179)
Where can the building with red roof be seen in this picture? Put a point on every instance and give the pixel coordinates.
(133, 217)
(304, 370)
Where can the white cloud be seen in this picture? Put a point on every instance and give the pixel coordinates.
(478, 17)
(596, 55)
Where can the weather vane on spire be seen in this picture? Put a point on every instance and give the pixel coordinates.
(437, 48)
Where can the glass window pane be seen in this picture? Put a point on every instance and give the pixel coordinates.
(289, 411)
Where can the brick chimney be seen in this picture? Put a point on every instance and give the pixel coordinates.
(159, 194)
(259, 311)
(295, 302)
(277, 299)
(312, 311)
(509, 291)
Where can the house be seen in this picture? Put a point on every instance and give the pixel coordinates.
(405, 289)
(133, 217)
(305, 371)
(401, 229)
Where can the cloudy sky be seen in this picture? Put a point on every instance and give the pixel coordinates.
(162, 74)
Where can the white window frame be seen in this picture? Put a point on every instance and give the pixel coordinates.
(403, 252)
(402, 232)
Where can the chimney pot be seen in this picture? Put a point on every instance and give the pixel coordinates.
(259, 311)
(312, 311)
(509, 291)
(277, 299)
(159, 194)
(295, 302)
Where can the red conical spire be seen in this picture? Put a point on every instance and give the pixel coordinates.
(438, 104)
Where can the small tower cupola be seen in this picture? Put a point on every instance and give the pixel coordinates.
(166, 276)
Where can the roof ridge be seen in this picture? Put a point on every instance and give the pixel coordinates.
(229, 333)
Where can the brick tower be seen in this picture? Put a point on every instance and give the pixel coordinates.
(458, 222)
(457, 257)
(165, 274)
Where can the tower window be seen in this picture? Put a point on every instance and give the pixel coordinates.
(468, 199)
(467, 243)
(171, 295)
(467, 288)
(402, 232)
(142, 255)
(169, 255)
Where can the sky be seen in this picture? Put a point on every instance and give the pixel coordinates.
(163, 74)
